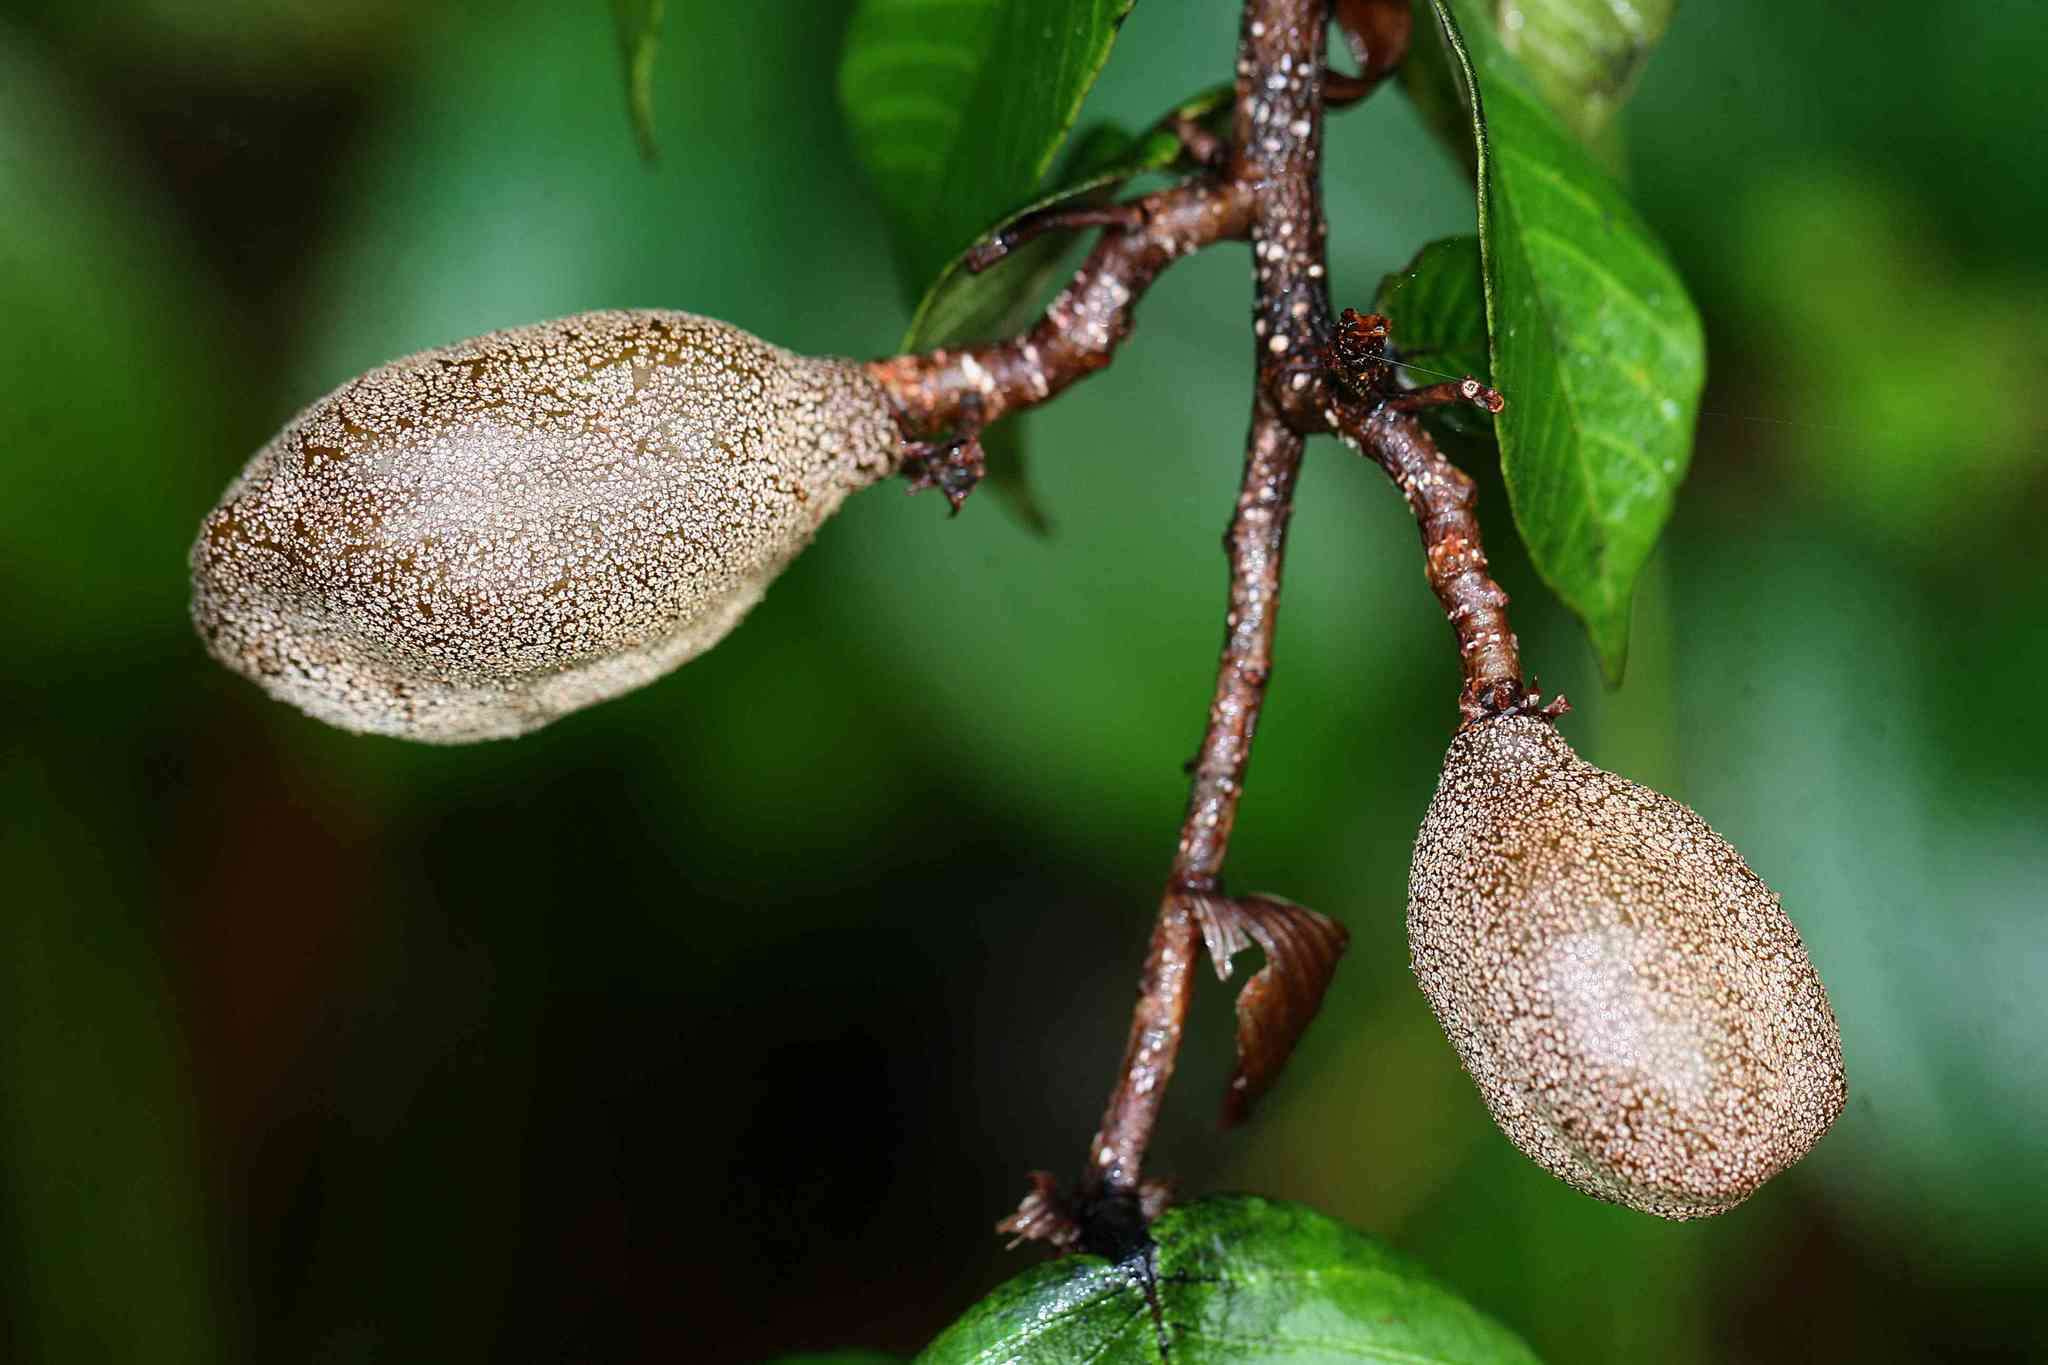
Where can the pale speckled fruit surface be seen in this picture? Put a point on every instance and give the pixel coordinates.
(470, 542)
(1632, 1001)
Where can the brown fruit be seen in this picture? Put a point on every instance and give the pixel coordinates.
(1637, 1010)
(467, 543)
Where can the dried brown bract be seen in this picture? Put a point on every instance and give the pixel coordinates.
(472, 541)
(1636, 1008)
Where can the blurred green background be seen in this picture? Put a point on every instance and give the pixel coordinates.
(725, 1019)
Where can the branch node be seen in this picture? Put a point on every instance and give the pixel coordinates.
(1111, 1224)
(1042, 1216)
(1202, 146)
(953, 464)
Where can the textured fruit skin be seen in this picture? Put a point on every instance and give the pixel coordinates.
(470, 542)
(1637, 1010)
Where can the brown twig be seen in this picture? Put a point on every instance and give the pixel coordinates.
(1203, 147)
(1256, 541)
(1080, 330)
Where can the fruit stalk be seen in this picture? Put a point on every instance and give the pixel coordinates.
(1442, 497)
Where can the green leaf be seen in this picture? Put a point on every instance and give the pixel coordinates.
(639, 26)
(957, 109)
(1584, 55)
(1595, 343)
(962, 306)
(1437, 306)
(1229, 1279)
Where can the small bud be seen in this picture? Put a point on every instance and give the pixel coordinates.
(467, 543)
(1637, 1010)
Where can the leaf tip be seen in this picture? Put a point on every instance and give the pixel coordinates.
(639, 29)
(1610, 645)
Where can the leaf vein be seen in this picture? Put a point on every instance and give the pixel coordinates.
(1354, 1350)
(1662, 326)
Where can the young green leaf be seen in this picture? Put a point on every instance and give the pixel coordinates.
(957, 110)
(1234, 1279)
(1584, 55)
(1595, 343)
(1437, 307)
(639, 26)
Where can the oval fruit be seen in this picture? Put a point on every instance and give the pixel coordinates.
(472, 541)
(1632, 1001)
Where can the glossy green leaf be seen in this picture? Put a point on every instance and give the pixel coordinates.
(1583, 55)
(958, 109)
(1230, 1279)
(1595, 343)
(639, 25)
